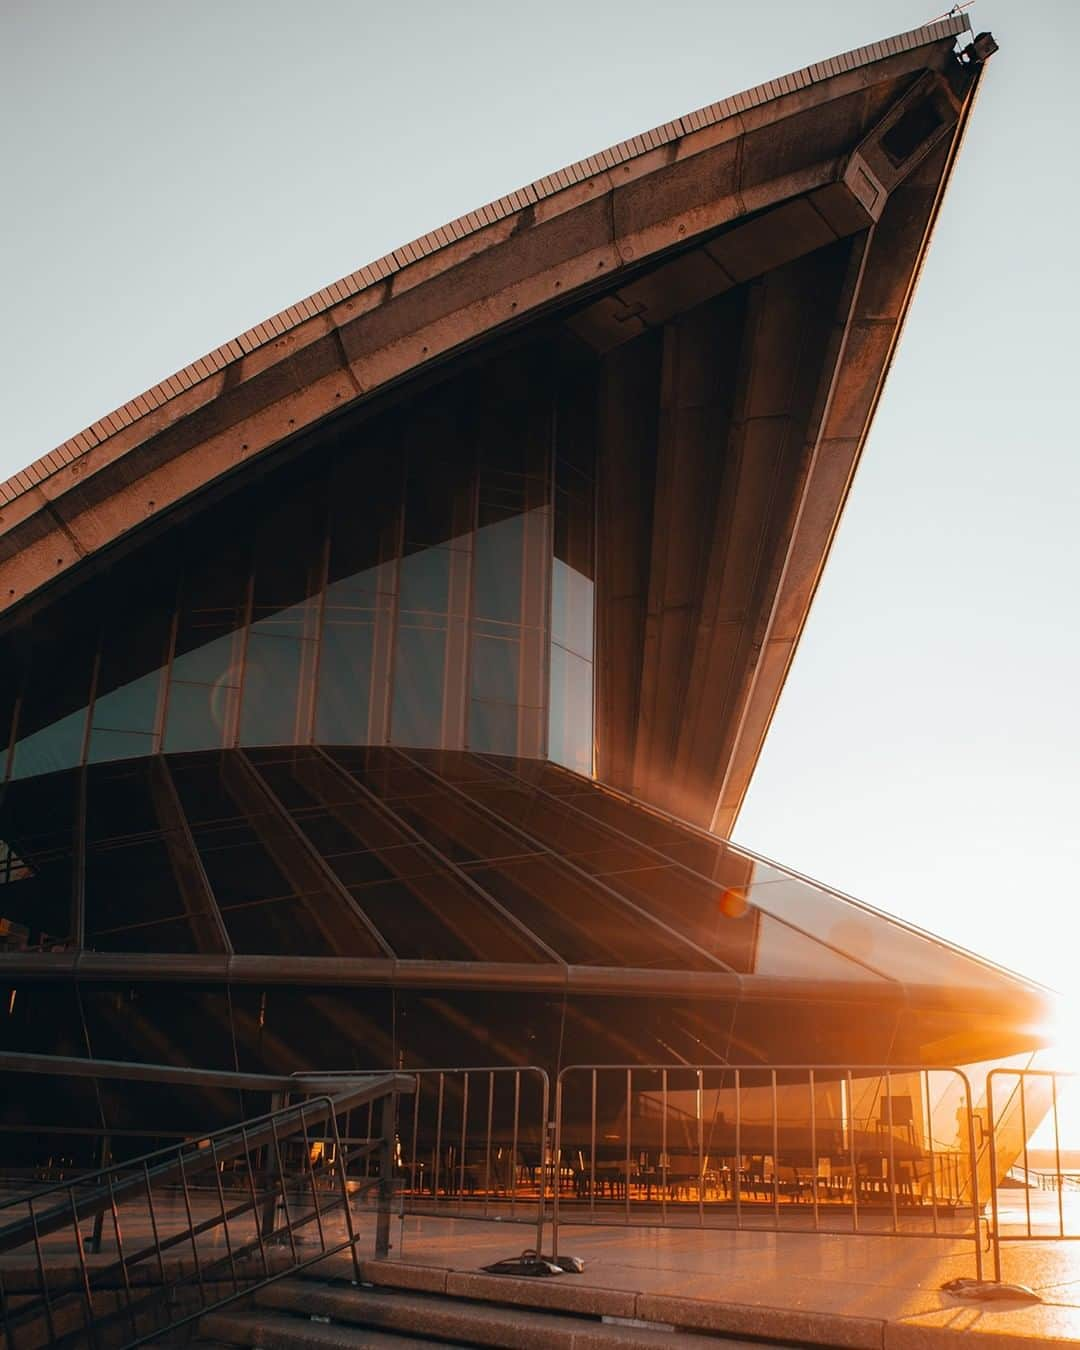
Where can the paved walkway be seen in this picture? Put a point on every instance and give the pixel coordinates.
(894, 1283)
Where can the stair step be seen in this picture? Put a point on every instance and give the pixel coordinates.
(280, 1331)
(281, 1321)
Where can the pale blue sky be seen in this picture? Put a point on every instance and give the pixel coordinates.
(175, 173)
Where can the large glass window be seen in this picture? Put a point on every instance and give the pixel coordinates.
(419, 575)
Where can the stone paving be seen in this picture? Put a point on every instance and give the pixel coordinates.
(889, 1287)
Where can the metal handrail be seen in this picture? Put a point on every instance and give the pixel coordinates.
(95, 1314)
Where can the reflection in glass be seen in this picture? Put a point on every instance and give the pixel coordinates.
(127, 701)
(876, 942)
(204, 680)
(420, 576)
(570, 718)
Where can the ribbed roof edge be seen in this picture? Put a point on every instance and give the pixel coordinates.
(211, 364)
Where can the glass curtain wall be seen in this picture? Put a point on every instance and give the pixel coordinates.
(422, 577)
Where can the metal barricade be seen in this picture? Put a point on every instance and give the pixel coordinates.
(469, 1144)
(869, 1150)
(1018, 1103)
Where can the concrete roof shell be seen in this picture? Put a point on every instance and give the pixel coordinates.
(767, 149)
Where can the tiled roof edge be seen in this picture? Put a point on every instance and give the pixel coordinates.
(207, 366)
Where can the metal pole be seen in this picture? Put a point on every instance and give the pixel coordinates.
(775, 1152)
(1058, 1178)
(437, 1160)
(464, 1137)
(556, 1160)
(701, 1148)
(626, 1178)
(558, 1150)
(737, 1178)
(514, 1143)
(487, 1139)
(813, 1149)
(386, 1179)
(1024, 1133)
(663, 1146)
(852, 1154)
(592, 1154)
(892, 1150)
(975, 1206)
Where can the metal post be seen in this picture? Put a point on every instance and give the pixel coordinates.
(592, 1154)
(930, 1151)
(1024, 1134)
(813, 1149)
(386, 1179)
(1059, 1180)
(701, 1147)
(852, 1154)
(556, 1161)
(558, 1150)
(414, 1161)
(663, 1146)
(973, 1157)
(464, 1138)
(737, 1178)
(487, 1139)
(626, 1178)
(514, 1143)
(99, 1217)
(270, 1198)
(436, 1162)
(892, 1150)
(775, 1152)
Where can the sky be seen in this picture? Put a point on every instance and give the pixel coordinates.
(175, 173)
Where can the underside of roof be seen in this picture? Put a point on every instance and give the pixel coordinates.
(779, 232)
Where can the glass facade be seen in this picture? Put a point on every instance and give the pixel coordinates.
(421, 576)
(390, 853)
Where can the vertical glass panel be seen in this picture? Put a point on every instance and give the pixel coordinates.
(204, 680)
(506, 676)
(572, 609)
(124, 721)
(37, 848)
(431, 650)
(495, 668)
(420, 658)
(570, 730)
(570, 723)
(279, 662)
(354, 663)
(52, 715)
(499, 568)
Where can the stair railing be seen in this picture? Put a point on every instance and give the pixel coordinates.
(196, 1225)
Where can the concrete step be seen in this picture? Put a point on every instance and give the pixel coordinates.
(281, 1317)
(284, 1331)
